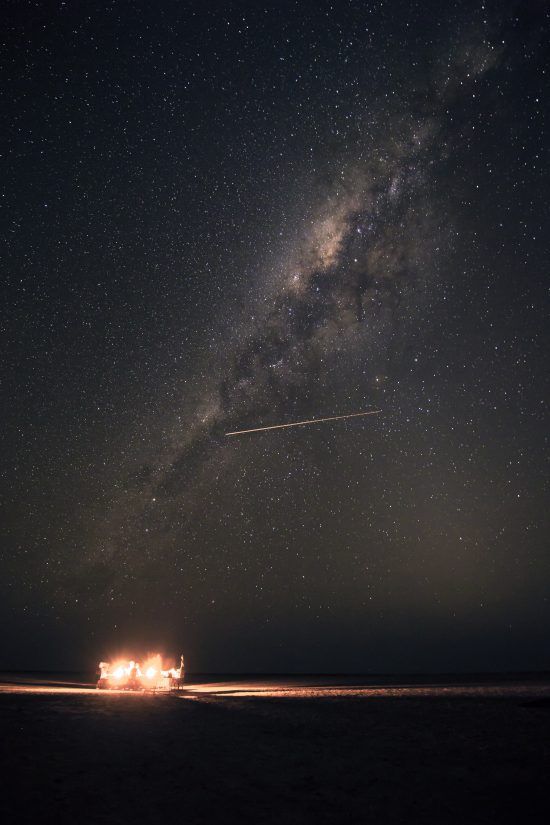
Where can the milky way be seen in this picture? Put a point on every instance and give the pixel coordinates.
(358, 280)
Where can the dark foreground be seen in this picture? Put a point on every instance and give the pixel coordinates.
(285, 751)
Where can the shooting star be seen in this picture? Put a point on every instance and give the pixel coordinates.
(304, 423)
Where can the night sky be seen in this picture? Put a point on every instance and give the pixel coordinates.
(225, 215)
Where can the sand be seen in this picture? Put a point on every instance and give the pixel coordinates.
(276, 751)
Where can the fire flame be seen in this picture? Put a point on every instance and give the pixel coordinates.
(133, 675)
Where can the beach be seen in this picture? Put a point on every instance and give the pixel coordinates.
(278, 750)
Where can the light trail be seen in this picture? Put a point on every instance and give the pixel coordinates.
(304, 423)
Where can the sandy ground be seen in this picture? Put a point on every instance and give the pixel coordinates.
(277, 751)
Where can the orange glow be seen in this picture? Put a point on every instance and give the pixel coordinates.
(130, 674)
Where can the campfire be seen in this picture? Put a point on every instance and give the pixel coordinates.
(151, 674)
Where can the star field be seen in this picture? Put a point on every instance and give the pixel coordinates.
(225, 217)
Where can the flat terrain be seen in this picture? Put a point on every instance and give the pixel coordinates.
(276, 751)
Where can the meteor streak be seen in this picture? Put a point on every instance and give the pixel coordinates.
(303, 423)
